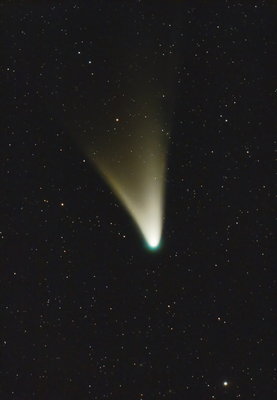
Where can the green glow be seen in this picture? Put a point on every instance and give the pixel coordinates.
(154, 246)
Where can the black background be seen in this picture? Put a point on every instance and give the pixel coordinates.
(87, 311)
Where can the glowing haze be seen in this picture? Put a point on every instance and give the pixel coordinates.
(124, 115)
(134, 166)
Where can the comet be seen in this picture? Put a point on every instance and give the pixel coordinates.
(123, 118)
(134, 166)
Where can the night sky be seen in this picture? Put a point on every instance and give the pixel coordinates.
(87, 311)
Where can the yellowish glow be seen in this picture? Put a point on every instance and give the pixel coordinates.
(134, 166)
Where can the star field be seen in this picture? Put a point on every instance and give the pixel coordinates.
(87, 311)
